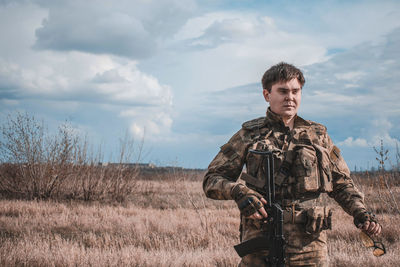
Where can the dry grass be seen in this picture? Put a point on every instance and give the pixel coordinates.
(165, 223)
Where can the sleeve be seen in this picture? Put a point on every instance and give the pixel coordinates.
(344, 191)
(225, 168)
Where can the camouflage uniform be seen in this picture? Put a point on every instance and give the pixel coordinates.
(306, 164)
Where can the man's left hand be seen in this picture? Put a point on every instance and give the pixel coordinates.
(371, 228)
(368, 223)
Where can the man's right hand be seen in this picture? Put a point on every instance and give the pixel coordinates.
(250, 203)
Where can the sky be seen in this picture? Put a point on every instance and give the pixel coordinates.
(183, 75)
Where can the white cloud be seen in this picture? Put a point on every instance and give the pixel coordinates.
(84, 77)
(350, 142)
(119, 65)
(380, 130)
(226, 21)
(126, 84)
(148, 122)
(228, 29)
(65, 83)
(360, 81)
(219, 50)
(350, 76)
(131, 29)
(341, 25)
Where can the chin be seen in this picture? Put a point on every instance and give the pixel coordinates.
(288, 114)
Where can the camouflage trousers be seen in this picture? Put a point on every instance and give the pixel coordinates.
(302, 249)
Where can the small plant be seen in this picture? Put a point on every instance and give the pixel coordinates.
(386, 181)
(382, 156)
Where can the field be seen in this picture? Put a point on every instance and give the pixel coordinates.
(167, 221)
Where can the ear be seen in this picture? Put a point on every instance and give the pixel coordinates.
(266, 95)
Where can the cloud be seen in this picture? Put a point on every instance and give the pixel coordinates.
(225, 49)
(112, 66)
(130, 29)
(101, 79)
(76, 85)
(226, 30)
(358, 82)
(350, 76)
(357, 116)
(354, 94)
(126, 84)
(361, 150)
(381, 131)
(350, 142)
(137, 99)
(148, 122)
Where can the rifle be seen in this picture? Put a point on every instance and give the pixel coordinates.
(273, 239)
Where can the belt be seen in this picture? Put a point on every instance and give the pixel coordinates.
(294, 216)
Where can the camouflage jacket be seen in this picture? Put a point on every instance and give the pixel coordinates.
(306, 163)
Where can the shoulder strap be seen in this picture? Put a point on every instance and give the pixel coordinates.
(256, 123)
(257, 127)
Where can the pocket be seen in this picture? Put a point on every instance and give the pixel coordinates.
(306, 170)
(324, 168)
(318, 219)
(254, 166)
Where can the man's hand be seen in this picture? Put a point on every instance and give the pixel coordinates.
(261, 213)
(250, 203)
(371, 228)
(367, 222)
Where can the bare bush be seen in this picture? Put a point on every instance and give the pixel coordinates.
(114, 181)
(37, 165)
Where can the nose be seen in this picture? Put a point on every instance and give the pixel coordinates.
(290, 96)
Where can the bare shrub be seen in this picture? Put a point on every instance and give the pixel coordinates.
(114, 181)
(35, 163)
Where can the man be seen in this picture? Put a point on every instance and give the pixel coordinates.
(306, 164)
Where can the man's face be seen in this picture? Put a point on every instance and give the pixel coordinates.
(284, 98)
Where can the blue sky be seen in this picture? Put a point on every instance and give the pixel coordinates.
(185, 74)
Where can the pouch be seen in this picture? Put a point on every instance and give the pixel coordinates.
(325, 170)
(306, 169)
(318, 219)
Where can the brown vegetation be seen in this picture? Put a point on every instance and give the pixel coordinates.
(165, 222)
(37, 165)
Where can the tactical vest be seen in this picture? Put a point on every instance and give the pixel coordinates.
(302, 165)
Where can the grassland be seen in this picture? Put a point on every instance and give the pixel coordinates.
(167, 221)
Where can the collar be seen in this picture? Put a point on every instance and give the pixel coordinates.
(274, 118)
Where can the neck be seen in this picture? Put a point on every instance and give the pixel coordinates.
(289, 121)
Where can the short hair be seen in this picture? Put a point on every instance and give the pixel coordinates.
(281, 72)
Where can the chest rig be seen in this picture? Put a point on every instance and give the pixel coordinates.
(302, 167)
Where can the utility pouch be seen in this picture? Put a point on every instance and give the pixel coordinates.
(318, 219)
(325, 170)
(306, 169)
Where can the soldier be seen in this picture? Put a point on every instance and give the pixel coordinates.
(306, 164)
